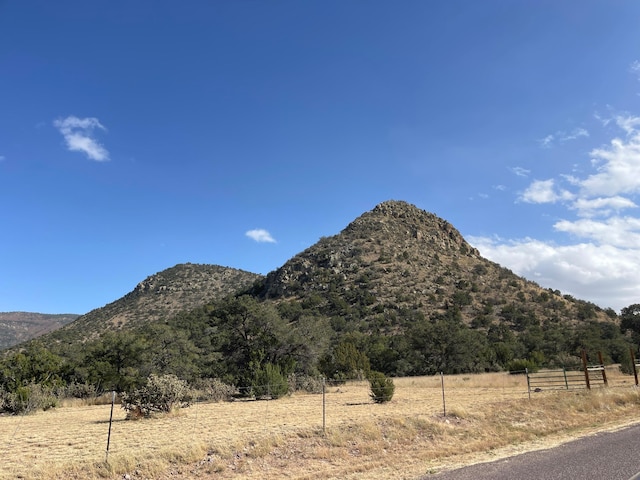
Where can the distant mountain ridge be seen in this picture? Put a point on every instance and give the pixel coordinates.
(182, 287)
(18, 327)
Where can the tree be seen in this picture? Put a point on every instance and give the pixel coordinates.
(114, 361)
(170, 351)
(445, 344)
(382, 388)
(345, 362)
(33, 365)
(28, 378)
(253, 334)
(268, 381)
(630, 321)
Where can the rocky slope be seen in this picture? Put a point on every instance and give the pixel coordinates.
(397, 261)
(180, 288)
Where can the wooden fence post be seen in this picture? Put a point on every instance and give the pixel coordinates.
(604, 373)
(586, 369)
(633, 364)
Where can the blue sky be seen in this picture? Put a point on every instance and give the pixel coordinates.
(135, 135)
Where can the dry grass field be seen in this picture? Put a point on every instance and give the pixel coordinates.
(488, 416)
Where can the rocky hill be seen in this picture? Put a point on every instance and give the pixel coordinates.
(159, 297)
(397, 262)
(399, 290)
(18, 327)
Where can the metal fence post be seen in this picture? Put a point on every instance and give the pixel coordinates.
(113, 400)
(526, 372)
(564, 372)
(324, 418)
(444, 403)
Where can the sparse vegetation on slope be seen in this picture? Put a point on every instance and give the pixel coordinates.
(398, 291)
(159, 297)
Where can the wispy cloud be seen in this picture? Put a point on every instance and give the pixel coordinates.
(635, 68)
(78, 134)
(2, 158)
(260, 235)
(628, 123)
(521, 172)
(574, 134)
(547, 141)
(562, 136)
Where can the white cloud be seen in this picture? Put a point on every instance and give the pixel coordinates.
(603, 274)
(78, 135)
(260, 235)
(544, 191)
(574, 134)
(571, 179)
(601, 206)
(521, 172)
(500, 188)
(601, 260)
(635, 68)
(618, 168)
(562, 136)
(628, 123)
(546, 141)
(2, 158)
(623, 232)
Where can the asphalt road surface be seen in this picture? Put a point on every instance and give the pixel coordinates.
(603, 456)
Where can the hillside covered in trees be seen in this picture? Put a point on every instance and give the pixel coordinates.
(398, 291)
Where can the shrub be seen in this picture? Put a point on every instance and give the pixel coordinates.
(519, 366)
(382, 388)
(78, 390)
(161, 394)
(269, 381)
(346, 362)
(214, 389)
(27, 399)
(305, 383)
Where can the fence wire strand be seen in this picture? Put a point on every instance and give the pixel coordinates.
(219, 423)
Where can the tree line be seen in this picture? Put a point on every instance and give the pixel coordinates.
(243, 341)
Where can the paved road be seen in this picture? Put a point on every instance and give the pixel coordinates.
(603, 456)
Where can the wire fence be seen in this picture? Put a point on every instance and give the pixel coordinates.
(82, 433)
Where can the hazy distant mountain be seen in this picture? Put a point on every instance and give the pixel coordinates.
(18, 327)
(159, 297)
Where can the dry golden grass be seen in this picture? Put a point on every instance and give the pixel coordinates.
(488, 416)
